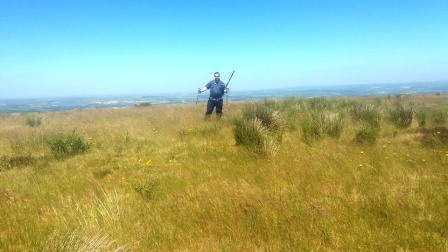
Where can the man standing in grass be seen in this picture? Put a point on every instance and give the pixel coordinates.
(217, 90)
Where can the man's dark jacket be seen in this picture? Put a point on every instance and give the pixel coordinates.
(216, 89)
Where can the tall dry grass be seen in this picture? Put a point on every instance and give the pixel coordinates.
(162, 178)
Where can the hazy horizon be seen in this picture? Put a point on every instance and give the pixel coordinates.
(42, 104)
(233, 90)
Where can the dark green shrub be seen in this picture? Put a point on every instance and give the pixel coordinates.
(401, 116)
(143, 104)
(367, 135)
(33, 120)
(65, 145)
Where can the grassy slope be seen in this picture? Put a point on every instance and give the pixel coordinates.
(161, 178)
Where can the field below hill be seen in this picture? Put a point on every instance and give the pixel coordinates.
(358, 173)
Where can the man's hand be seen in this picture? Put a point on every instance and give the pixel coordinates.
(226, 90)
(199, 91)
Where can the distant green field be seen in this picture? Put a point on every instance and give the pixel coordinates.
(342, 174)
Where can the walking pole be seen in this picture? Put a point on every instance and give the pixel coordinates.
(227, 94)
(230, 78)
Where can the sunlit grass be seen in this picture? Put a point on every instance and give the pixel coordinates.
(162, 178)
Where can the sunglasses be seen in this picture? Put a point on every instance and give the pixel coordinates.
(216, 76)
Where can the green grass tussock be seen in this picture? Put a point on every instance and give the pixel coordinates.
(332, 174)
(260, 129)
(65, 145)
(367, 135)
(401, 116)
(367, 113)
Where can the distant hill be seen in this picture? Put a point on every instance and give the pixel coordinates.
(58, 104)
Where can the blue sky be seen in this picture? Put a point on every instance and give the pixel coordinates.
(78, 48)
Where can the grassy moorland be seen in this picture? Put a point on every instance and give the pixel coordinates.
(362, 173)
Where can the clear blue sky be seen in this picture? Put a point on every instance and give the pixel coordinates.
(77, 47)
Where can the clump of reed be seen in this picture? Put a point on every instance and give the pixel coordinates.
(401, 116)
(317, 125)
(367, 113)
(260, 129)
